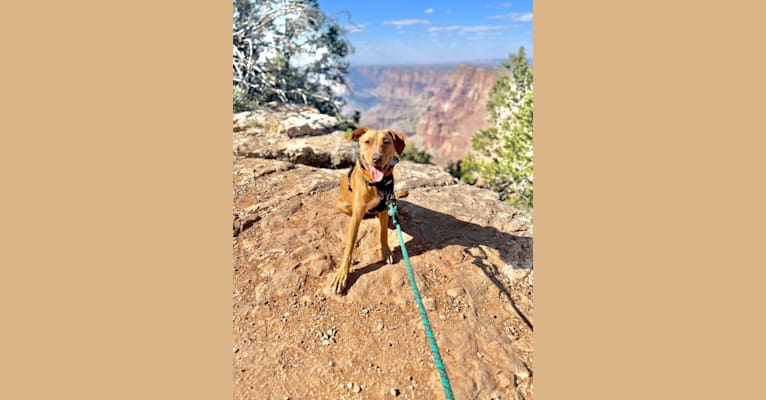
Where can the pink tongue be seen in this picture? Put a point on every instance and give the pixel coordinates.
(376, 173)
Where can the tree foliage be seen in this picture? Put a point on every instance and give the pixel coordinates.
(287, 52)
(414, 154)
(502, 154)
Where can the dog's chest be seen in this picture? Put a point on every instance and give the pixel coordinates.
(374, 201)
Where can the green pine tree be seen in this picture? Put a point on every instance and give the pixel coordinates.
(502, 154)
(415, 154)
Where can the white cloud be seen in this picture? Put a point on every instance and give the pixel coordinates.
(522, 17)
(406, 22)
(355, 28)
(505, 5)
(483, 35)
(463, 28)
(429, 11)
(517, 17)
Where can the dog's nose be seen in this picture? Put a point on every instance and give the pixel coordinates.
(377, 157)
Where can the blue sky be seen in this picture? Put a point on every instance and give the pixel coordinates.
(422, 32)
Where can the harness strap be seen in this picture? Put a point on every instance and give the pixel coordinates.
(350, 171)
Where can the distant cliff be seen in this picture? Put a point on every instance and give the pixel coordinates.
(398, 81)
(455, 112)
(441, 106)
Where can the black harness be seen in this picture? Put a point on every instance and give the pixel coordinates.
(385, 187)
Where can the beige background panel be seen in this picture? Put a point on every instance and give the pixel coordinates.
(116, 274)
(648, 206)
(116, 174)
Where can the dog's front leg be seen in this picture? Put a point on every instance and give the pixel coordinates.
(341, 277)
(385, 251)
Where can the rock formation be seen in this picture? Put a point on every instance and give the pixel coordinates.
(455, 113)
(293, 338)
(441, 107)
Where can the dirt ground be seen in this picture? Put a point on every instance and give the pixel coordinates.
(294, 339)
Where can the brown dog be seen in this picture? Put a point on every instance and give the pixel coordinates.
(365, 190)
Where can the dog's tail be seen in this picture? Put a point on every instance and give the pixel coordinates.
(402, 193)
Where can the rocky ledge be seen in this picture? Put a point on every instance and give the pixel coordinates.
(293, 338)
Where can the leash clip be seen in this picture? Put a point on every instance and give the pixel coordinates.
(392, 210)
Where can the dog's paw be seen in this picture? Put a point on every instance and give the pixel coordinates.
(339, 283)
(388, 257)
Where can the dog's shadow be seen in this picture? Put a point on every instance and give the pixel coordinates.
(433, 230)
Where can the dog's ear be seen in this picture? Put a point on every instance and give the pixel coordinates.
(358, 132)
(400, 138)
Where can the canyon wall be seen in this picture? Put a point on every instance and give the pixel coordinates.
(441, 107)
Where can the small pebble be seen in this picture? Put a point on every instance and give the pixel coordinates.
(394, 392)
(503, 381)
(429, 303)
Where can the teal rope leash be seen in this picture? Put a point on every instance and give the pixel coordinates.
(431, 340)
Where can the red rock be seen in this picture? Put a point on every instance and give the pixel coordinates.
(442, 107)
(285, 253)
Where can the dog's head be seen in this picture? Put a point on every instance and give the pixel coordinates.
(377, 148)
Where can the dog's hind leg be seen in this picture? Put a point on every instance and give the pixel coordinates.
(344, 207)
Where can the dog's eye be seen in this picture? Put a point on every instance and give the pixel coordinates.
(366, 142)
(386, 142)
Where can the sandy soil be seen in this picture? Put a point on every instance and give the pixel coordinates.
(294, 339)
